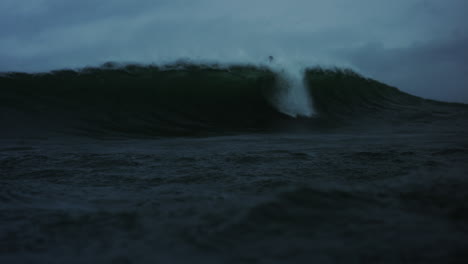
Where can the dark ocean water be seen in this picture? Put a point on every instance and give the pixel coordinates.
(196, 164)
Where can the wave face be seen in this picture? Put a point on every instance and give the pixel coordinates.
(189, 99)
(343, 97)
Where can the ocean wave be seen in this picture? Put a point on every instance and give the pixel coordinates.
(191, 99)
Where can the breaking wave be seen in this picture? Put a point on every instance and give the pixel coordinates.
(190, 99)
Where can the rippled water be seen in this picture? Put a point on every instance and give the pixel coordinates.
(260, 198)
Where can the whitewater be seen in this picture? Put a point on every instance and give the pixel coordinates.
(292, 96)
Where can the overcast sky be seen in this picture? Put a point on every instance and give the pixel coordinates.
(420, 46)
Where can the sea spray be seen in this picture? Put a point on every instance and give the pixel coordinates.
(292, 97)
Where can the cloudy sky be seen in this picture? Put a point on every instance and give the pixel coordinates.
(420, 46)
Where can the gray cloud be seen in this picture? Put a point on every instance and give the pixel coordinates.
(416, 45)
(435, 69)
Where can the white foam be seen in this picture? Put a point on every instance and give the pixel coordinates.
(292, 97)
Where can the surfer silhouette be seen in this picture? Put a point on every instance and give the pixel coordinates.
(270, 59)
